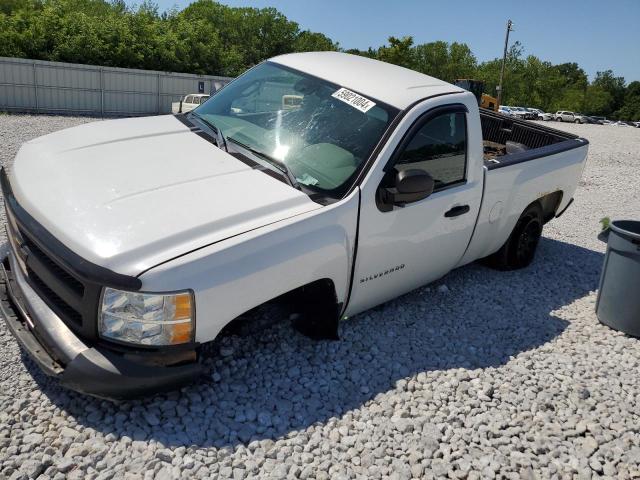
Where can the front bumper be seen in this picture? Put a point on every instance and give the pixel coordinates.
(61, 354)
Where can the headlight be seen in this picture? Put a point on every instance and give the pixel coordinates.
(146, 318)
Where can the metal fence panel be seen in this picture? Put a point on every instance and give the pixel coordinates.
(57, 87)
(22, 98)
(72, 100)
(119, 103)
(75, 78)
(123, 81)
(20, 74)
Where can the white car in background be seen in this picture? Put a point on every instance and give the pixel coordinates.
(505, 110)
(520, 112)
(540, 115)
(516, 112)
(528, 114)
(567, 116)
(582, 118)
(189, 102)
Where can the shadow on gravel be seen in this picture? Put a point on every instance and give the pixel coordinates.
(275, 381)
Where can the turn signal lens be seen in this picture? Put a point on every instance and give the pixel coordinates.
(182, 305)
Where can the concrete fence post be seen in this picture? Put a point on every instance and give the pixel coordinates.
(102, 93)
(35, 85)
(158, 97)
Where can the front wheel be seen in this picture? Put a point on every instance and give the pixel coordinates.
(577, 121)
(520, 248)
(559, 119)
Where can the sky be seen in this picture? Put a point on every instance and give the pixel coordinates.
(597, 34)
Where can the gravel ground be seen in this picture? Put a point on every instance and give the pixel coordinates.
(482, 375)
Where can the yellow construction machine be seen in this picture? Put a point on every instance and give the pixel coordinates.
(477, 88)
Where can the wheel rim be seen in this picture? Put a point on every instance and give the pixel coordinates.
(528, 240)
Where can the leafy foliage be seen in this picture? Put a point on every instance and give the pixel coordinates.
(208, 37)
(205, 37)
(529, 81)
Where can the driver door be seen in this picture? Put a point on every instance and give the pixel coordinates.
(403, 247)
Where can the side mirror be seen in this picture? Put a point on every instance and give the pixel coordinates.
(409, 186)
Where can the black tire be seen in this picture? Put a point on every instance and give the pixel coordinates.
(520, 248)
(577, 121)
(559, 119)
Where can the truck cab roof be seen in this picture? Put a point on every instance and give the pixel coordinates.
(394, 85)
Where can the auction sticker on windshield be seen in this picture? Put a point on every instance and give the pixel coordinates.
(352, 98)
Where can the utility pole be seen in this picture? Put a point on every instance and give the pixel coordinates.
(504, 60)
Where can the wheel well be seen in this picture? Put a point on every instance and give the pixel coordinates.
(549, 204)
(317, 304)
(314, 306)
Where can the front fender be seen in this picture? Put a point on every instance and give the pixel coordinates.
(235, 275)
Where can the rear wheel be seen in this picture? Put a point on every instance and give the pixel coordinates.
(520, 248)
(577, 120)
(559, 119)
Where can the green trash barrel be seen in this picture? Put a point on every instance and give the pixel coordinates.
(618, 304)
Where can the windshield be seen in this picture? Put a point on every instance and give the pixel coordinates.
(321, 132)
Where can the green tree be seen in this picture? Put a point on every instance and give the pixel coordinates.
(614, 86)
(597, 101)
(432, 58)
(399, 52)
(307, 41)
(573, 74)
(445, 61)
(630, 109)
(461, 62)
(205, 37)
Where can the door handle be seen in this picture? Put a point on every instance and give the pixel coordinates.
(455, 211)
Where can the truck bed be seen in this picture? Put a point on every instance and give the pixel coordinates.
(534, 162)
(509, 140)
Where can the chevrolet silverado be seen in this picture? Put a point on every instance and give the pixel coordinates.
(332, 178)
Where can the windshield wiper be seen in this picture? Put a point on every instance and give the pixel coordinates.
(221, 141)
(279, 164)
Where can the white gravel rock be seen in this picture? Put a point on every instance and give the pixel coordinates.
(511, 377)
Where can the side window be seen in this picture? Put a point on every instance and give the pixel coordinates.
(439, 148)
(189, 99)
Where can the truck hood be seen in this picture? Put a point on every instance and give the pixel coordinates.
(129, 194)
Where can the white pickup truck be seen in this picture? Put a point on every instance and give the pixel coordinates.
(189, 102)
(133, 242)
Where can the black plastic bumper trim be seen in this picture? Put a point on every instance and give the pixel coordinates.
(80, 367)
(87, 271)
(24, 336)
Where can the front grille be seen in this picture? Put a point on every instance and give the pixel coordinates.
(65, 277)
(66, 310)
(73, 300)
